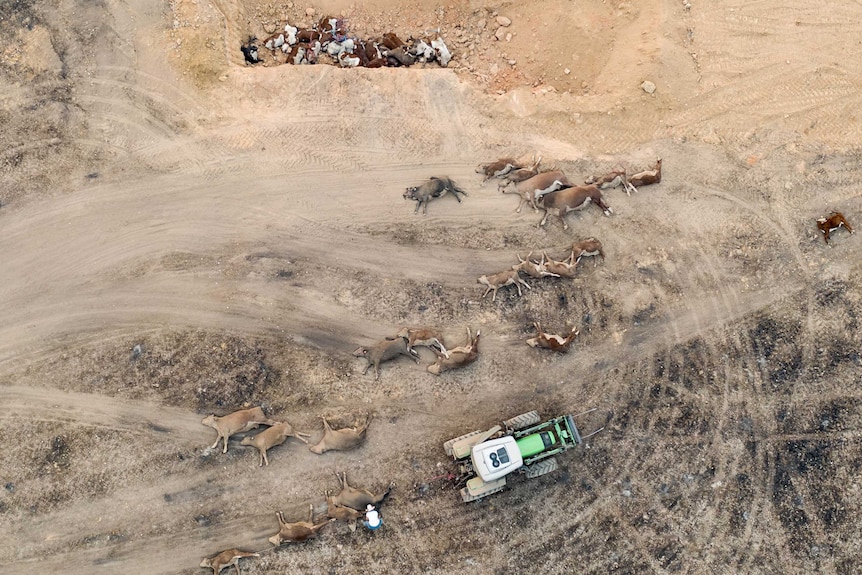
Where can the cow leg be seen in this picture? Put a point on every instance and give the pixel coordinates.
(364, 371)
(487, 291)
(263, 458)
(425, 210)
(376, 370)
(544, 219)
(495, 295)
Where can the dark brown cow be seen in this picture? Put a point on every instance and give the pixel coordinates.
(833, 222)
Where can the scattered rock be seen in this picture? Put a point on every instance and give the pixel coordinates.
(503, 21)
(500, 34)
(269, 28)
(648, 87)
(310, 11)
(481, 24)
(567, 71)
(509, 37)
(494, 69)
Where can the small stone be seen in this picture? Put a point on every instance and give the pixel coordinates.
(481, 24)
(584, 84)
(310, 12)
(494, 69)
(648, 87)
(269, 28)
(509, 37)
(512, 62)
(500, 33)
(567, 71)
(503, 21)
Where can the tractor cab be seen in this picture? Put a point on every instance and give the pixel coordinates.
(496, 458)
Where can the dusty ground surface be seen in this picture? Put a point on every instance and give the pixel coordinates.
(183, 234)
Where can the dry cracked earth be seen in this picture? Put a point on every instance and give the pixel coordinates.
(184, 234)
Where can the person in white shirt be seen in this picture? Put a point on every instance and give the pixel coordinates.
(372, 518)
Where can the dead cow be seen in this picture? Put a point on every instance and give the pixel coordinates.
(614, 178)
(833, 222)
(533, 268)
(532, 189)
(299, 531)
(384, 351)
(354, 498)
(275, 435)
(570, 199)
(460, 356)
(421, 336)
(563, 269)
(226, 558)
(551, 341)
(647, 177)
(340, 439)
(434, 188)
(588, 247)
(502, 279)
(236, 422)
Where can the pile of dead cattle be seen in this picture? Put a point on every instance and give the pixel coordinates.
(348, 505)
(329, 41)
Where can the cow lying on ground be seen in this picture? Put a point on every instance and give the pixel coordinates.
(533, 268)
(502, 279)
(226, 558)
(384, 351)
(570, 199)
(833, 222)
(275, 435)
(341, 439)
(533, 189)
(551, 341)
(356, 498)
(647, 177)
(299, 531)
(588, 247)
(421, 336)
(434, 188)
(236, 422)
(612, 179)
(460, 356)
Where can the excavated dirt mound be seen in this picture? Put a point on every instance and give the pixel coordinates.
(184, 234)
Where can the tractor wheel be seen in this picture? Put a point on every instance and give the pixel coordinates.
(447, 447)
(467, 498)
(523, 420)
(541, 468)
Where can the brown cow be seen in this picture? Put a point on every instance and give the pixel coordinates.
(236, 422)
(647, 177)
(502, 279)
(833, 222)
(568, 200)
(588, 247)
(275, 435)
(226, 558)
(299, 531)
(534, 188)
(614, 178)
(341, 439)
(356, 499)
(551, 341)
(460, 356)
(384, 351)
(421, 336)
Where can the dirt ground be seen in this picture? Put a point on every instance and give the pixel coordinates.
(183, 234)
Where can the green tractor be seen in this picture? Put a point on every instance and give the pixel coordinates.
(519, 444)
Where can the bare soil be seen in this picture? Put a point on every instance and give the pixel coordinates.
(183, 234)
